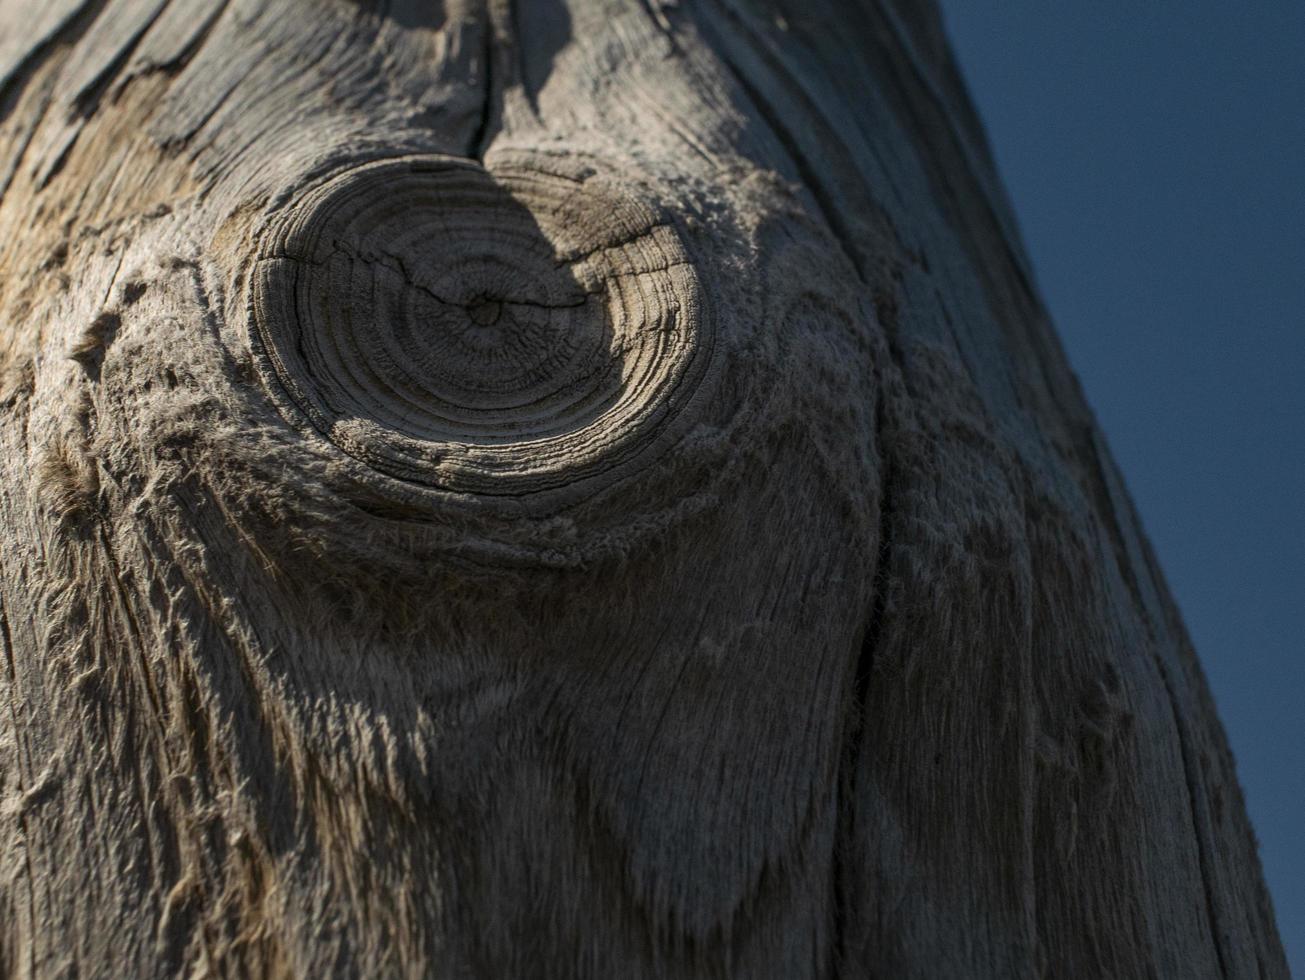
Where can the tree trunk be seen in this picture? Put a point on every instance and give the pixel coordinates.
(565, 488)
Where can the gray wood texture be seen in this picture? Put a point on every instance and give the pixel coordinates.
(565, 488)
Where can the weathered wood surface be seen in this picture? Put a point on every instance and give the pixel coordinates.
(564, 488)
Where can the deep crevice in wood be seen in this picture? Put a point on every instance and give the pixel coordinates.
(844, 867)
(1200, 823)
(479, 141)
(191, 48)
(65, 36)
(88, 98)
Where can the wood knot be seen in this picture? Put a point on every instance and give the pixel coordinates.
(510, 333)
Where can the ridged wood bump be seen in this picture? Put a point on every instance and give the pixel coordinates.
(501, 333)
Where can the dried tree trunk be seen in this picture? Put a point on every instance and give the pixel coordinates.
(565, 488)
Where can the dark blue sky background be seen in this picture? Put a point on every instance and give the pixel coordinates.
(1155, 154)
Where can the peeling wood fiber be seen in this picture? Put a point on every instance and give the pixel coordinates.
(565, 488)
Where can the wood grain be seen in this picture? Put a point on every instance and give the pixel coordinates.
(565, 488)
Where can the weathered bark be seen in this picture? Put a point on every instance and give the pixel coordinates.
(564, 488)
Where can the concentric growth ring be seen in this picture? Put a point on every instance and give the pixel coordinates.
(500, 333)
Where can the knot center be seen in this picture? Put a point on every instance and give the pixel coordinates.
(484, 311)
